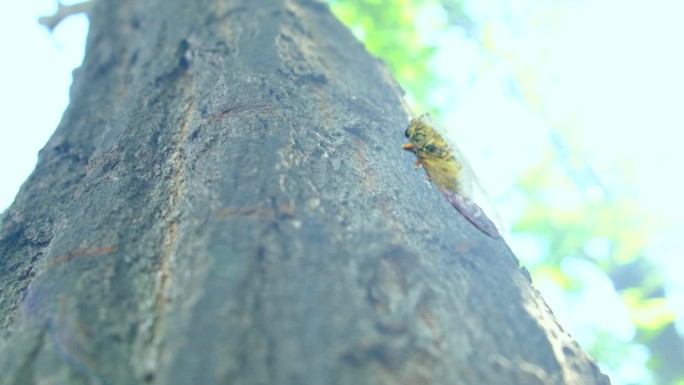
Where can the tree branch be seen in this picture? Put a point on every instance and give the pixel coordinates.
(63, 11)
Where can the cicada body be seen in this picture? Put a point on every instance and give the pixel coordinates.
(447, 169)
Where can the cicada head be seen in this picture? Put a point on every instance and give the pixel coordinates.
(419, 131)
(424, 138)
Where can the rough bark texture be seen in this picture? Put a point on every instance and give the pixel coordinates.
(226, 202)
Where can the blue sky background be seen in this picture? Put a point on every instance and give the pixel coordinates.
(35, 74)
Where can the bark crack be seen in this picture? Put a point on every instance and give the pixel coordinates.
(170, 238)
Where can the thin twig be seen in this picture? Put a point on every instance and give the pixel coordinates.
(64, 11)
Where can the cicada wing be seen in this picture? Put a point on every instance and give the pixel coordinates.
(473, 213)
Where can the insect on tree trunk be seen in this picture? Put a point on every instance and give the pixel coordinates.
(226, 201)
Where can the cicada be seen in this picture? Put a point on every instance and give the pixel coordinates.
(447, 169)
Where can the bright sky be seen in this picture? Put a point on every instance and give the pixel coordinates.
(610, 76)
(35, 74)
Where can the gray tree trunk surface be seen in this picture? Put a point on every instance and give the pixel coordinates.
(226, 202)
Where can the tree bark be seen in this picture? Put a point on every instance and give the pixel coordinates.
(226, 202)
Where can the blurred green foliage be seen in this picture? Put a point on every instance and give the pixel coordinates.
(388, 30)
(567, 209)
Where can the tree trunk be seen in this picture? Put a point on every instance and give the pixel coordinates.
(226, 202)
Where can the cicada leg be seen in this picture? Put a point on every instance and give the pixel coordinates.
(412, 148)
